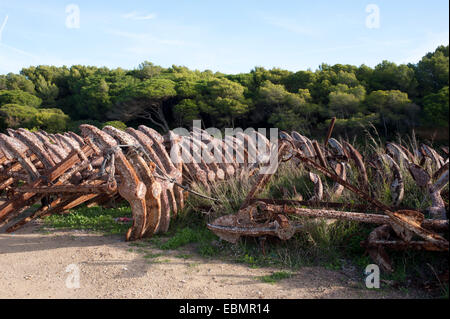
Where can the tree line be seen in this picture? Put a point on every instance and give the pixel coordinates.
(393, 98)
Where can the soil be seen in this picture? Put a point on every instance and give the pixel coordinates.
(33, 264)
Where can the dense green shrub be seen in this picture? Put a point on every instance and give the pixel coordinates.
(19, 97)
(117, 124)
(395, 98)
(15, 116)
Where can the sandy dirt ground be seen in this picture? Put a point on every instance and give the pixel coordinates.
(33, 265)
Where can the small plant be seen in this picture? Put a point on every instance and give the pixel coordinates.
(92, 218)
(205, 249)
(183, 256)
(247, 259)
(275, 277)
(152, 256)
(186, 236)
(181, 238)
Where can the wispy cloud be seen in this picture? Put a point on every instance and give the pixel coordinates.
(2, 27)
(289, 25)
(13, 59)
(134, 15)
(19, 51)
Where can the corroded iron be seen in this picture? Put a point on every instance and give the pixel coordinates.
(58, 172)
(150, 171)
(398, 227)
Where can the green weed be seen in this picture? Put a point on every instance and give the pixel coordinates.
(91, 218)
(276, 276)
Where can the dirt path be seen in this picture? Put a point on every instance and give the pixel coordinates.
(33, 265)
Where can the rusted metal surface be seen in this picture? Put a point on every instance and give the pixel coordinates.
(398, 227)
(146, 169)
(433, 186)
(153, 215)
(429, 152)
(170, 195)
(396, 183)
(359, 164)
(152, 172)
(330, 131)
(82, 189)
(131, 187)
(249, 221)
(262, 179)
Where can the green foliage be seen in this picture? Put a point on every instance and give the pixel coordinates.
(432, 71)
(52, 120)
(354, 124)
(299, 80)
(117, 124)
(15, 116)
(152, 256)
(402, 96)
(186, 111)
(436, 107)
(13, 81)
(156, 89)
(19, 97)
(93, 218)
(389, 76)
(94, 100)
(345, 101)
(146, 70)
(47, 91)
(292, 110)
(223, 101)
(276, 276)
(181, 238)
(395, 109)
(186, 88)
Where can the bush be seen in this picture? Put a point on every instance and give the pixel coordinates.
(19, 97)
(117, 124)
(15, 116)
(52, 120)
(436, 109)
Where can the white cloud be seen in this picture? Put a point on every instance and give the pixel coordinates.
(134, 15)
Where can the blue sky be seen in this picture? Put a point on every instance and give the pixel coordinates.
(226, 36)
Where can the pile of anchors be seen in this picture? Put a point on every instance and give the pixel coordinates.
(153, 173)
